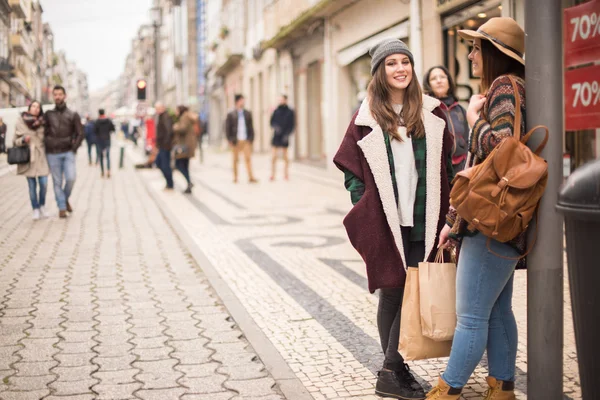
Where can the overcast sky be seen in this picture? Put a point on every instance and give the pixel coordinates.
(96, 34)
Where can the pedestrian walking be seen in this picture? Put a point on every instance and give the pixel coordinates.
(29, 131)
(282, 122)
(2, 136)
(103, 129)
(239, 131)
(397, 162)
(90, 138)
(484, 281)
(439, 84)
(164, 143)
(63, 136)
(185, 142)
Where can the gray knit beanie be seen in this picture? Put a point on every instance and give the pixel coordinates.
(386, 48)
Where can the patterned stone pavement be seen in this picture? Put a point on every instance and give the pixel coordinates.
(281, 247)
(109, 304)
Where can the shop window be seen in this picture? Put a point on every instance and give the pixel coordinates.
(456, 49)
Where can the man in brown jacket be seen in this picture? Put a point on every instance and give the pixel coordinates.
(240, 135)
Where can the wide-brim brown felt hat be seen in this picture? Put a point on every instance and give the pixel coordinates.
(502, 32)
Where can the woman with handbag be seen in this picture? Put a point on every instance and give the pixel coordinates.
(439, 84)
(184, 137)
(29, 132)
(397, 161)
(484, 282)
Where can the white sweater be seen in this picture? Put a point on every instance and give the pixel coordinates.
(406, 174)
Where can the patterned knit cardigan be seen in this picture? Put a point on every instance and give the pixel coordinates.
(495, 123)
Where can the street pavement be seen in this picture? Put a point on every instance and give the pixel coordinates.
(281, 247)
(235, 292)
(109, 304)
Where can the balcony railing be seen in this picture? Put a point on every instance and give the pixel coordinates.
(21, 44)
(21, 8)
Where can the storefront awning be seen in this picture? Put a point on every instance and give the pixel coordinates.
(349, 54)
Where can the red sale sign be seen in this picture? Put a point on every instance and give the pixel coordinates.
(582, 33)
(582, 98)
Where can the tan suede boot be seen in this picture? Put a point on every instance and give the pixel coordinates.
(499, 390)
(443, 392)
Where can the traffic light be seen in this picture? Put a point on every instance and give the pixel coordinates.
(141, 89)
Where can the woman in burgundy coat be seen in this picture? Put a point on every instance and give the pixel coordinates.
(397, 161)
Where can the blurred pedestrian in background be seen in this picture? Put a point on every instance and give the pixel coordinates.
(439, 84)
(2, 136)
(104, 127)
(184, 141)
(63, 136)
(90, 137)
(282, 122)
(29, 131)
(397, 162)
(239, 131)
(164, 143)
(125, 129)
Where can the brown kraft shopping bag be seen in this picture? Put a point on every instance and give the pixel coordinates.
(437, 288)
(413, 345)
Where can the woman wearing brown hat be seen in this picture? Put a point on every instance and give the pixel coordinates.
(397, 161)
(484, 282)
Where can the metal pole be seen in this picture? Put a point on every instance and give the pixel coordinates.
(544, 87)
(156, 61)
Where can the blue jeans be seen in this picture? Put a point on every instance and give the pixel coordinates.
(62, 168)
(37, 202)
(163, 162)
(102, 150)
(91, 144)
(484, 288)
(183, 165)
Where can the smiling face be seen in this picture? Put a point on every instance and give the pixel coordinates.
(438, 81)
(476, 59)
(398, 72)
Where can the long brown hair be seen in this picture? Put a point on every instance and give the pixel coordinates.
(383, 111)
(495, 64)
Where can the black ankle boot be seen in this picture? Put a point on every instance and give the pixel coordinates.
(405, 376)
(389, 385)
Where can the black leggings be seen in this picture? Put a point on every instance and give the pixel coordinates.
(390, 307)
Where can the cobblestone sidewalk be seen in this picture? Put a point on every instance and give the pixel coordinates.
(109, 304)
(282, 249)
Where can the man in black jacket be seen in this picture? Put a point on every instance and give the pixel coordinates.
(103, 128)
(282, 122)
(164, 142)
(63, 136)
(240, 135)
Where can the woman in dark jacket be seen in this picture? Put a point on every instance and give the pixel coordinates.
(185, 142)
(397, 161)
(439, 84)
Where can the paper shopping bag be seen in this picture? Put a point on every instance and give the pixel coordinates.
(437, 286)
(413, 345)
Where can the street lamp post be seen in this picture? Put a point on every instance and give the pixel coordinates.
(156, 14)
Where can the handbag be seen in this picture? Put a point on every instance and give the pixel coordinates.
(180, 151)
(437, 284)
(413, 344)
(19, 155)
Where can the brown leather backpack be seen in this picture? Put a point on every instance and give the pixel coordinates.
(500, 196)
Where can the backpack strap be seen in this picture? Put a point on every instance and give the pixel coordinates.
(518, 117)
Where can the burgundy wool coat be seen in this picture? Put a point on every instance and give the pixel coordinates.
(373, 225)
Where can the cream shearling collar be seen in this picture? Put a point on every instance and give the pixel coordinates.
(375, 151)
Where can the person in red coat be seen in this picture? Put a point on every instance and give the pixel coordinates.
(397, 160)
